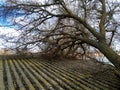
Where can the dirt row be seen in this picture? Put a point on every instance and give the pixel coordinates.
(31, 74)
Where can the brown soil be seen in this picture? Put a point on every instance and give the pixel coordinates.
(82, 66)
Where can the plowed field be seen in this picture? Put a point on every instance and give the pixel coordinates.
(31, 74)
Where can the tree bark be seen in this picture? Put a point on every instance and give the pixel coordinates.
(111, 55)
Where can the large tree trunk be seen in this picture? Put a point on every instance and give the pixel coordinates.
(112, 56)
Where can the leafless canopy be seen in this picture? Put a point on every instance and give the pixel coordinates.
(66, 26)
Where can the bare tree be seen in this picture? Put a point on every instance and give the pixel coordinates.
(96, 22)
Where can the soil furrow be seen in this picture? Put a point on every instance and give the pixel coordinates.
(24, 76)
(21, 76)
(9, 77)
(2, 85)
(17, 76)
(38, 86)
(86, 79)
(67, 80)
(13, 77)
(5, 76)
(39, 77)
(59, 81)
(36, 72)
(46, 76)
(91, 77)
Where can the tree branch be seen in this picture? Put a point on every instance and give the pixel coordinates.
(103, 18)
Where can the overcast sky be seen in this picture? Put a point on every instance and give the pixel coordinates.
(12, 32)
(6, 31)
